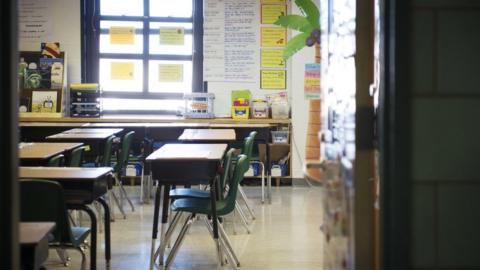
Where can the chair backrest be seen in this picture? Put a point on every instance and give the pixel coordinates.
(122, 158)
(43, 201)
(76, 157)
(240, 168)
(227, 167)
(248, 146)
(56, 161)
(107, 152)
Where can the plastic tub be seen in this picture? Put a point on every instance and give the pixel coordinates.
(280, 110)
(280, 136)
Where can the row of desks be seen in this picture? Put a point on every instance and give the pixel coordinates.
(172, 164)
(82, 186)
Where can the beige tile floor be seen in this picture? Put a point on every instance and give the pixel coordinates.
(285, 235)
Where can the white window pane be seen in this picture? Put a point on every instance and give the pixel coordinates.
(128, 85)
(165, 8)
(143, 104)
(107, 47)
(121, 7)
(156, 48)
(184, 86)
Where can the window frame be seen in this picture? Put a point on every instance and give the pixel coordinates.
(90, 47)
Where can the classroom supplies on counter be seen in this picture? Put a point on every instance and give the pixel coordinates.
(241, 104)
(85, 100)
(199, 105)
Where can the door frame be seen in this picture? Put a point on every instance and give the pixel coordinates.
(393, 135)
(9, 197)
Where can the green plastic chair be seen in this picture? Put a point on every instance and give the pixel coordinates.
(76, 157)
(107, 152)
(56, 161)
(120, 167)
(106, 161)
(195, 206)
(180, 193)
(43, 201)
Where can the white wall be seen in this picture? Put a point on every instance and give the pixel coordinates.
(299, 104)
(65, 15)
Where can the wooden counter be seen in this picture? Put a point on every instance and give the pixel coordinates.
(150, 119)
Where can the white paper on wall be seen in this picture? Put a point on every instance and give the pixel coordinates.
(231, 41)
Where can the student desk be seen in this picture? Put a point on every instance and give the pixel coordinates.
(96, 140)
(38, 153)
(34, 243)
(81, 186)
(207, 135)
(182, 164)
(113, 131)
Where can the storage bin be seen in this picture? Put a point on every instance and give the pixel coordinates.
(199, 105)
(279, 170)
(259, 108)
(280, 136)
(280, 110)
(240, 112)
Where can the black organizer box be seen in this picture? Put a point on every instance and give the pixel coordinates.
(85, 103)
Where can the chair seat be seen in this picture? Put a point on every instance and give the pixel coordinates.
(182, 193)
(199, 206)
(79, 235)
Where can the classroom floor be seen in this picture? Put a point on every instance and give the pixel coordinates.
(285, 235)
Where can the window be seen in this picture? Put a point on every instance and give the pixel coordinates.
(145, 54)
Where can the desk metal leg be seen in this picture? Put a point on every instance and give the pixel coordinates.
(155, 225)
(215, 221)
(165, 206)
(106, 209)
(269, 173)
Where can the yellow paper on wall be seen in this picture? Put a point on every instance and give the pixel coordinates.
(270, 13)
(273, 79)
(273, 1)
(273, 37)
(170, 72)
(122, 35)
(122, 71)
(172, 36)
(272, 59)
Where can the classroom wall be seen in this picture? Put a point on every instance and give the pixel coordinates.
(299, 104)
(66, 30)
(65, 15)
(445, 99)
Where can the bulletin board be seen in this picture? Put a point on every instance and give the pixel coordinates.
(243, 49)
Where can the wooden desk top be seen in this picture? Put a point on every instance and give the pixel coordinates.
(94, 130)
(80, 136)
(44, 150)
(63, 173)
(52, 124)
(186, 152)
(31, 233)
(208, 135)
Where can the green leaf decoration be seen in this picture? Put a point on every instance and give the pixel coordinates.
(311, 11)
(295, 22)
(294, 45)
